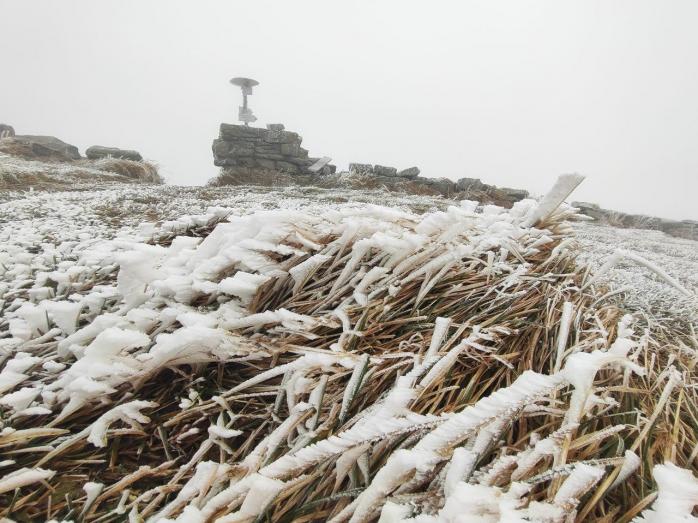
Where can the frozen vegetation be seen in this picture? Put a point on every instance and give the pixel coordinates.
(238, 354)
(16, 172)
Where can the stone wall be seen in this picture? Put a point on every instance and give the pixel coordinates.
(682, 229)
(270, 149)
(274, 157)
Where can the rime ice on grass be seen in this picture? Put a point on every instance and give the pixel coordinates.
(250, 354)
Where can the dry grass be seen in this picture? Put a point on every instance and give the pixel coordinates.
(144, 468)
(20, 174)
(139, 171)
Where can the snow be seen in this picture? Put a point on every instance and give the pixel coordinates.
(129, 413)
(91, 303)
(23, 477)
(243, 285)
(563, 187)
(678, 495)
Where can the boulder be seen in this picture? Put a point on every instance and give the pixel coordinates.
(361, 168)
(275, 126)
(99, 151)
(471, 184)
(40, 147)
(514, 195)
(586, 205)
(442, 185)
(410, 172)
(382, 170)
(6, 131)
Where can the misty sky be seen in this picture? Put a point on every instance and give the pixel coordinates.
(513, 93)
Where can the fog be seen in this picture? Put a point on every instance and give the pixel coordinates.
(513, 93)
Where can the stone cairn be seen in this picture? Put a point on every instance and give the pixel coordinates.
(247, 153)
(270, 149)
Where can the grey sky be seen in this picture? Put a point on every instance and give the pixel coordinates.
(510, 92)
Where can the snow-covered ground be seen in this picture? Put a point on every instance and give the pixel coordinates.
(19, 173)
(644, 289)
(41, 223)
(106, 287)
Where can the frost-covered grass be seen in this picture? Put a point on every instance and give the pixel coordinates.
(644, 289)
(240, 354)
(20, 173)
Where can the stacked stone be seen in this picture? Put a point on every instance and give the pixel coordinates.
(382, 170)
(273, 148)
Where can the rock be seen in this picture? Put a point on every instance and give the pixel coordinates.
(381, 170)
(98, 151)
(317, 167)
(682, 229)
(291, 149)
(6, 131)
(220, 148)
(263, 149)
(586, 205)
(514, 195)
(242, 132)
(300, 162)
(328, 169)
(43, 147)
(287, 167)
(442, 185)
(244, 162)
(471, 184)
(266, 164)
(240, 149)
(282, 137)
(274, 148)
(410, 172)
(361, 168)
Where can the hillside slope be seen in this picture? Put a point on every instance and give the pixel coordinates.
(187, 354)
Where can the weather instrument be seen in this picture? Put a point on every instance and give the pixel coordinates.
(245, 113)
